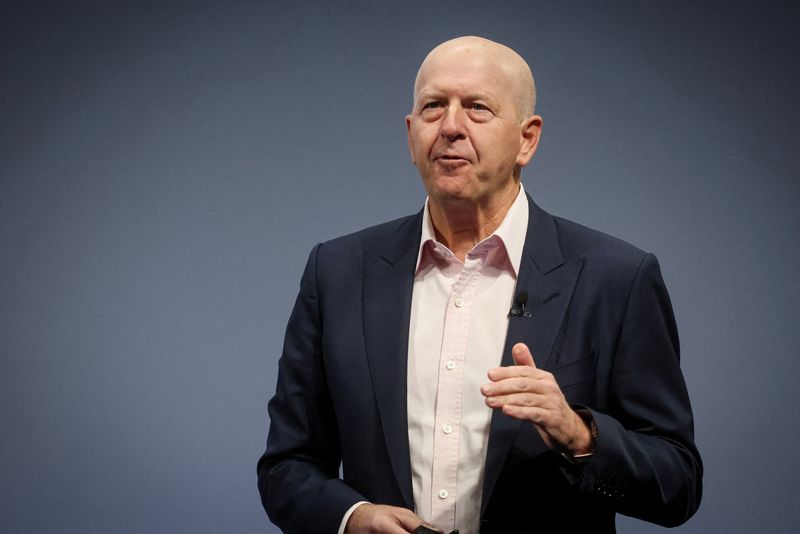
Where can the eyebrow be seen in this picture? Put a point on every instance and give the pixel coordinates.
(470, 97)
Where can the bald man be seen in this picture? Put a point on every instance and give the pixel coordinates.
(481, 365)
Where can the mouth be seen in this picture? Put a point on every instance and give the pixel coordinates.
(447, 158)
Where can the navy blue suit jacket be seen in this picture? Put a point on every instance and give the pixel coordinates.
(601, 322)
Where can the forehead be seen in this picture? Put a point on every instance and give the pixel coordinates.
(464, 71)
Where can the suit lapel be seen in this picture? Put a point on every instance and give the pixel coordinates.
(549, 282)
(388, 283)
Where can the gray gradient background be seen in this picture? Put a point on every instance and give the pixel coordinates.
(165, 169)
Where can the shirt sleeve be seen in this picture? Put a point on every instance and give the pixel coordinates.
(347, 515)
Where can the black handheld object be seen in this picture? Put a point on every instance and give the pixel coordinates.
(425, 530)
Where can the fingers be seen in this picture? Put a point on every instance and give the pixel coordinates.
(516, 399)
(530, 413)
(523, 364)
(517, 376)
(407, 519)
(522, 355)
(382, 519)
(536, 382)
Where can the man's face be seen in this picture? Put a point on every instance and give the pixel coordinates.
(465, 133)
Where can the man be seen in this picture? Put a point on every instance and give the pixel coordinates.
(403, 363)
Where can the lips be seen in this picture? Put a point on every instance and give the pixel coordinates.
(450, 158)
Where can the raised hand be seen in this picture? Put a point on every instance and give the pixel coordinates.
(524, 392)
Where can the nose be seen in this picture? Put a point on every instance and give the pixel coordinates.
(453, 123)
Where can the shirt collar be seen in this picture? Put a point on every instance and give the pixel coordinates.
(511, 232)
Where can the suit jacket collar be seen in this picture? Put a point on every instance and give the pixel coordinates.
(388, 283)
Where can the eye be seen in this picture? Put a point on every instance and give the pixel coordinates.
(477, 106)
(431, 105)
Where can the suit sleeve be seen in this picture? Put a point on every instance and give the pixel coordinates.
(298, 475)
(645, 462)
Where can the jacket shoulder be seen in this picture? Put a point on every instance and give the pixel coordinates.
(399, 233)
(577, 240)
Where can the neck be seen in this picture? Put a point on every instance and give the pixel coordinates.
(461, 224)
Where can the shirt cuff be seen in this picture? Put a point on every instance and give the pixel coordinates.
(347, 515)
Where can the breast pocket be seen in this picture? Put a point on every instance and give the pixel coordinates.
(582, 371)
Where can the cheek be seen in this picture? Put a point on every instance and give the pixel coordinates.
(511, 144)
(421, 143)
(487, 147)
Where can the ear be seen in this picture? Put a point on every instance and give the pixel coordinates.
(531, 131)
(408, 132)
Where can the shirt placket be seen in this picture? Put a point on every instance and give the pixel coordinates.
(447, 423)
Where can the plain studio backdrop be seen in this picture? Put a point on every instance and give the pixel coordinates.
(165, 169)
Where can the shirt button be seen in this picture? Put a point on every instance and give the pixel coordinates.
(451, 364)
(447, 429)
(443, 494)
(459, 302)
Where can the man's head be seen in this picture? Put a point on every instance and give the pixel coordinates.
(472, 127)
(517, 70)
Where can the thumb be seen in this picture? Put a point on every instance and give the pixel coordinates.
(522, 355)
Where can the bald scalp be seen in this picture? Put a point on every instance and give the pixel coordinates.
(512, 64)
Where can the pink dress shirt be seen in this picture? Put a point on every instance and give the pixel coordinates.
(459, 319)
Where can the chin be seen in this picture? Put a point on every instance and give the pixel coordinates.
(453, 188)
